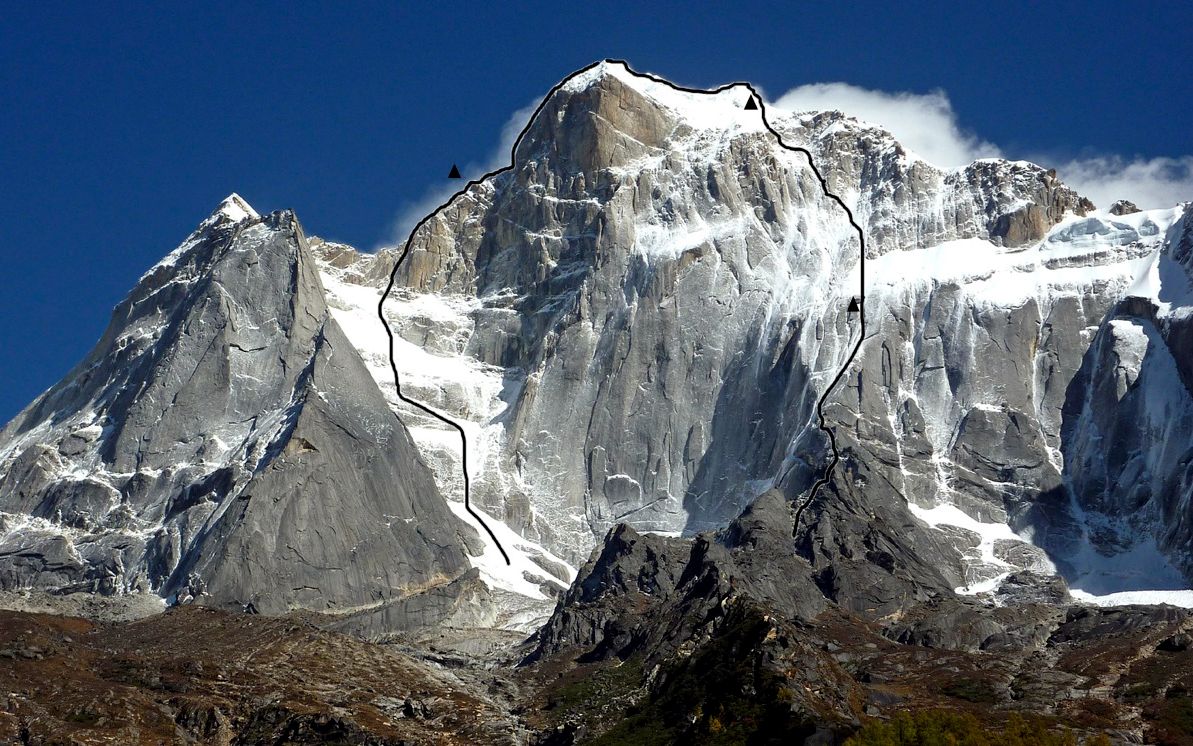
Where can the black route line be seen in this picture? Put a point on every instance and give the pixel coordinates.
(513, 151)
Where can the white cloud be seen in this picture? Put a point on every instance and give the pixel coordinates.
(1158, 182)
(927, 125)
(411, 213)
(924, 122)
(509, 133)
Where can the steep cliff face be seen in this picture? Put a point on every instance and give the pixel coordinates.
(654, 295)
(644, 275)
(224, 436)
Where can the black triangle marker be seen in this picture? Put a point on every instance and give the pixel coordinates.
(854, 306)
(455, 173)
(751, 105)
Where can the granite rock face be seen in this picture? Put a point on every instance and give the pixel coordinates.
(224, 441)
(663, 287)
(658, 289)
(631, 291)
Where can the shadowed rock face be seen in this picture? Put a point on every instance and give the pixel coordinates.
(668, 633)
(224, 435)
(1128, 429)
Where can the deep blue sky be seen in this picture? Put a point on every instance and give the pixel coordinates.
(122, 127)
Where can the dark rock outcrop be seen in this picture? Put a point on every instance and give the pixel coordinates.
(1123, 207)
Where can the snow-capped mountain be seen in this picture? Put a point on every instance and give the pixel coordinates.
(633, 323)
